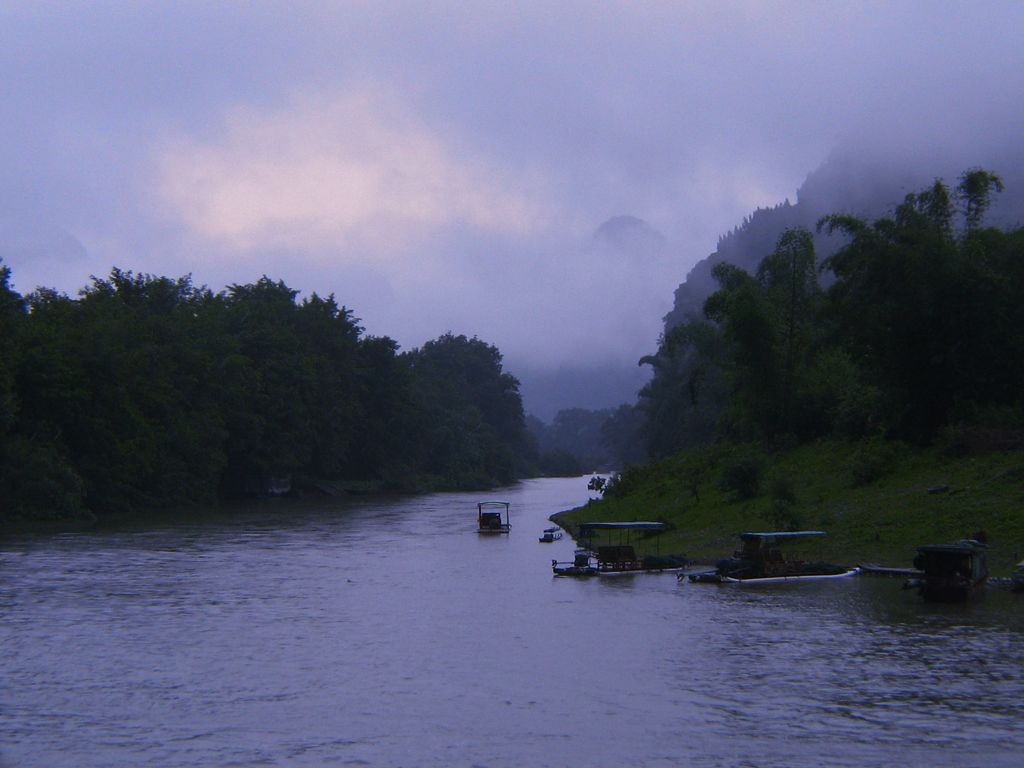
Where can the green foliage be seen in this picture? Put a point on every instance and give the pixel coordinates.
(579, 433)
(684, 402)
(873, 460)
(472, 431)
(917, 324)
(780, 488)
(741, 476)
(622, 436)
(37, 485)
(784, 516)
(882, 522)
(975, 193)
(149, 392)
(558, 463)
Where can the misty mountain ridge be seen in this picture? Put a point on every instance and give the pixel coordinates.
(850, 181)
(629, 237)
(624, 248)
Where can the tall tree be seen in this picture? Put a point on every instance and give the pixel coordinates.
(789, 276)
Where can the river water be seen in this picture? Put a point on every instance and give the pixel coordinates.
(387, 632)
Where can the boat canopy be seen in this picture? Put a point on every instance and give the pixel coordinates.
(622, 527)
(781, 535)
(493, 504)
(964, 547)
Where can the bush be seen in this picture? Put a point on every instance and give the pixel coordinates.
(37, 483)
(785, 517)
(873, 461)
(781, 489)
(742, 477)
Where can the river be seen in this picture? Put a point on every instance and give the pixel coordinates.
(387, 632)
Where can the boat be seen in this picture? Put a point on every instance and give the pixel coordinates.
(952, 572)
(1017, 578)
(873, 569)
(759, 560)
(613, 559)
(549, 535)
(492, 517)
(583, 564)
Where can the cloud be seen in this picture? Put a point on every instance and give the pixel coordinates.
(354, 168)
(443, 166)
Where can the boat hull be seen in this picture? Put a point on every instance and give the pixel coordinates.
(714, 578)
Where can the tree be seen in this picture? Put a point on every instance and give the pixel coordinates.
(975, 193)
(473, 424)
(685, 399)
(789, 276)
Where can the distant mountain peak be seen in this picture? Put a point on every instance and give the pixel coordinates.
(630, 234)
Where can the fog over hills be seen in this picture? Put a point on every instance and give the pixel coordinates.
(621, 257)
(541, 176)
(864, 182)
(851, 181)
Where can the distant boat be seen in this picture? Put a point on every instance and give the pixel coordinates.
(492, 517)
(759, 560)
(619, 558)
(952, 572)
(549, 535)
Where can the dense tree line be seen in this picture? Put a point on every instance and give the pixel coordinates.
(146, 392)
(918, 333)
(580, 440)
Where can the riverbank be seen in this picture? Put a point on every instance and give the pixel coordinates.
(877, 500)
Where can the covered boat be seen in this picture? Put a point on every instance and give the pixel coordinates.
(759, 560)
(952, 572)
(610, 558)
(492, 517)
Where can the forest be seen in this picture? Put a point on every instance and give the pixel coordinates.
(911, 330)
(147, 393)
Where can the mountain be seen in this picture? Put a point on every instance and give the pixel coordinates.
(851, 181)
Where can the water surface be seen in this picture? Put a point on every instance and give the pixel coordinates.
(387, 632)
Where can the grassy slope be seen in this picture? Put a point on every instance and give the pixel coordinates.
(881, 521)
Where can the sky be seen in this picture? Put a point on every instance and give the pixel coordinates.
(448, 166)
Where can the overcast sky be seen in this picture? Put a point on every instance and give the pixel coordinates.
(444, 166)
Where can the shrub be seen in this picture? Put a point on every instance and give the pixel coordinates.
(742, 477)
(785, 517)
(780, 488)
(873, 461)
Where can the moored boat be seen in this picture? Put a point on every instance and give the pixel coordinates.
(1017, 579)
(759, 560)
(493, 517)
(549, 535)
(952, 572)
(613, 559)
(582, 565)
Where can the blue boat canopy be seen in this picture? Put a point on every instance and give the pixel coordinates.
(963, 547)
(781, 535)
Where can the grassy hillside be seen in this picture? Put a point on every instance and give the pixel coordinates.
(877, 500)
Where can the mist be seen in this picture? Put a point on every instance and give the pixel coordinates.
(442, 168)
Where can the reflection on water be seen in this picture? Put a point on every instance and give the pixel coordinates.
(388, 633)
